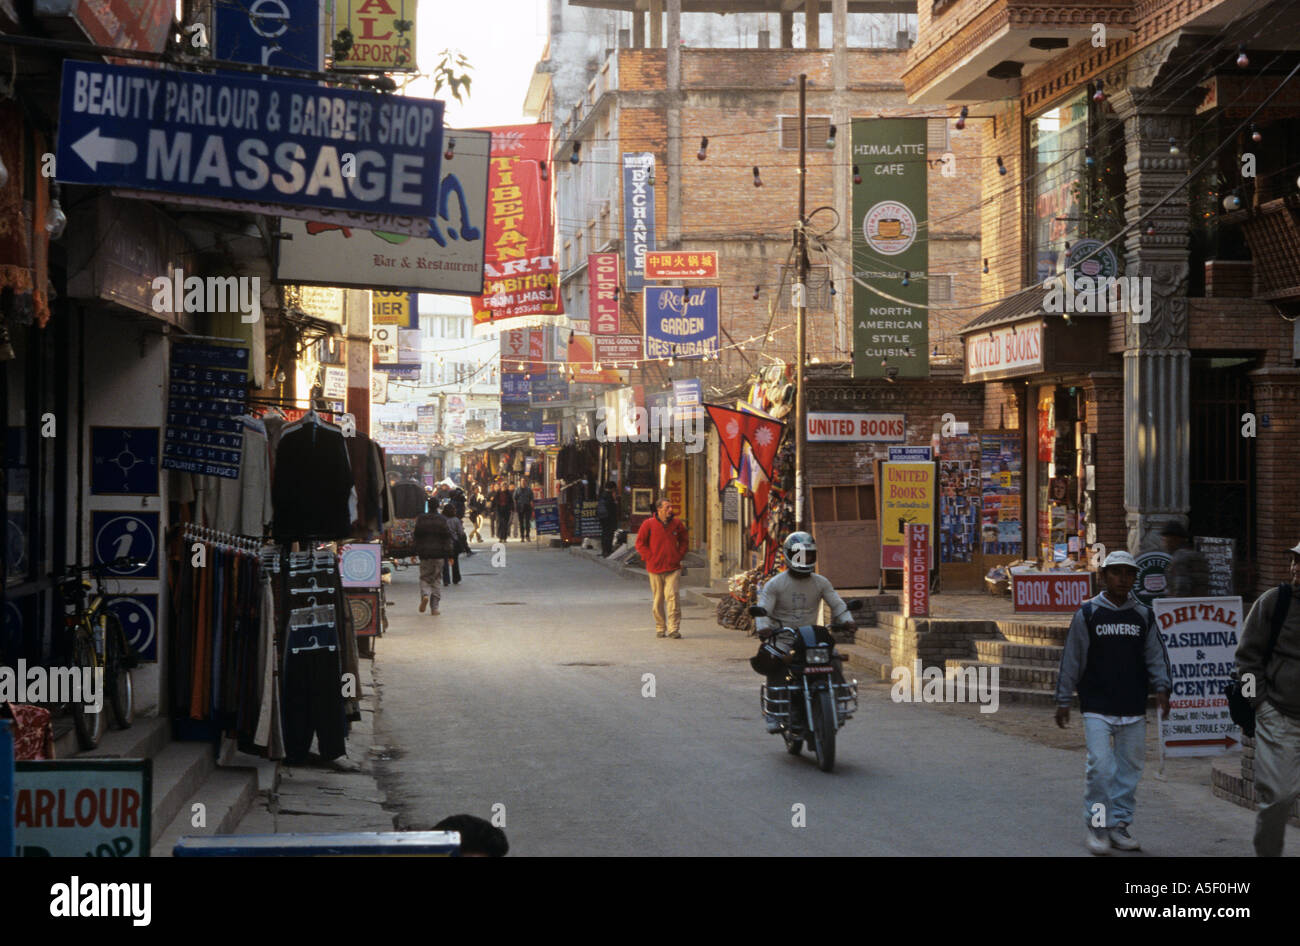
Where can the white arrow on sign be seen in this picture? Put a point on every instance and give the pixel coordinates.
(95, 149)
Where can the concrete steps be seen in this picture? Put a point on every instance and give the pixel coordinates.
(226, 795)
(1033, 634)
(1033, 655)
(1023, 676)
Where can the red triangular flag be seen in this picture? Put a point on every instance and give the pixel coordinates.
(730, 436)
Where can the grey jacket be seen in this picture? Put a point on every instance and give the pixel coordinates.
(1074, 658)
(1277, 677)
(793, 602)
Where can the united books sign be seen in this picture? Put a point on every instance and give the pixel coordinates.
(891, 293)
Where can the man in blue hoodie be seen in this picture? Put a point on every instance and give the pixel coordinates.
(1113, 654)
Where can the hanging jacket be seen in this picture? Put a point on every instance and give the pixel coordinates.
(313, 481)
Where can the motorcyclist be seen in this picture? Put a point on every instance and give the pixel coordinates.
(792, 598)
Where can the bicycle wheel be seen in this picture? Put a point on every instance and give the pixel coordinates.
(88, 724)
(117, 673)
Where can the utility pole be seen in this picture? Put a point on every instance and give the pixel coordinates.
(800, 294)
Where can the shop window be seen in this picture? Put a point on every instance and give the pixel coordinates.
(940, 287)
(819, 126)
(850, 503)
(936, 136)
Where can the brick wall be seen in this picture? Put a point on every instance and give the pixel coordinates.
(1277, 458)
(1002, 405)
(1104, 394)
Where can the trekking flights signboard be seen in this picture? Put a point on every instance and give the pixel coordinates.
(272, 140)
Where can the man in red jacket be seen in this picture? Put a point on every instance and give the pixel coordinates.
(661, 543)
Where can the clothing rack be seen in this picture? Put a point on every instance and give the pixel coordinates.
(225, 540)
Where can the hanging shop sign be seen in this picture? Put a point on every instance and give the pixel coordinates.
(586, 368)
(383, 35)
(602, 275)
(286, 33)
(394, 308)
(1091, 258)
(206, 395)
(383, 344)
(1201, 637)
(335, 382)
(521, 274)
(906, 496)
(638, 215)
(516, 388)
(688, 398)
(891, 297)
(1005, 352)
(520, 419)
(1049, 591)
(447, 259)
(121, 24)
(618, 348)
(83, 808)
(916, 570)
(681, 264)
(264, 139)
(552, 386)
(548, 436)
(832, 427)
(124, 461)
(911, 454)
(681, 323)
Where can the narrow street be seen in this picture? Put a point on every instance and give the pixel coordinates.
(526, 691)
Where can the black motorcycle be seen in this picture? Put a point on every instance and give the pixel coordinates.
(810, 706)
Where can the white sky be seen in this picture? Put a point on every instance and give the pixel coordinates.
(503, 40)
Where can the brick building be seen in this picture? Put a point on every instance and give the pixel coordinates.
(659, 94)
(1140, 127)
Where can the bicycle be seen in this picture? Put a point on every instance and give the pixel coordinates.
(98, 643)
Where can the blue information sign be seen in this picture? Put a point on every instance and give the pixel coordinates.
(548, 436)
(681, 323)
(910, 455)
(520, 420)
(126, 535)
(546, 513)
(270, 33)
(552, 387)
(271, 140)
(516, 388)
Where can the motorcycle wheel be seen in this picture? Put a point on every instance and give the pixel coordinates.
(117, 675)
(824, 730)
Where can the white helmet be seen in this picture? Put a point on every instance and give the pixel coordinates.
(800, 553)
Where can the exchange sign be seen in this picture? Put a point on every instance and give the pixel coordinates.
(268, 140)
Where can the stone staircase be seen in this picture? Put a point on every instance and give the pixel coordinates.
(1027, 656)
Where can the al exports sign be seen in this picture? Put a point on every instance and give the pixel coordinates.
(270, 140)
(1005, 352)
(890, 294)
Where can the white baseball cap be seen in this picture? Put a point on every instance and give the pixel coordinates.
(1119, 558)
(1296, 550)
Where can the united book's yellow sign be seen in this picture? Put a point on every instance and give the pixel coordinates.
(906, 495)
(382, 33)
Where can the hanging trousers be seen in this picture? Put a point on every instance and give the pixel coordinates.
(313, 705)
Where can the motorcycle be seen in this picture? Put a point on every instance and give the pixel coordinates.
(810, 706)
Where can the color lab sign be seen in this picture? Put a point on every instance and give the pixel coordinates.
(907, 497)
(77, 808)
(1050, 592)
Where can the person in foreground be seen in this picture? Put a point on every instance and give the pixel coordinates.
(1113, 654)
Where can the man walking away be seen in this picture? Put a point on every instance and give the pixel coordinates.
(433, 545)
(607, 512)
(451, 564)
(501, 510)
(661, 542)
(1188, 573)
(524, 509)
(1113, 651)
(1270, 652)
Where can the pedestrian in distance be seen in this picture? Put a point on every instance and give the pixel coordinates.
(524, 509)
(1269, 658)
(433, 545)
(661, 542)
(1113, 652)
(607, 512)
(501, 503)
(1188, 573)
(451, 565)
(477, 507)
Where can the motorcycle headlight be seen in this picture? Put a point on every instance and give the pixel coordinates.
(819, 655)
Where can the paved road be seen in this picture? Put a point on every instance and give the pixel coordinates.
(527, 692)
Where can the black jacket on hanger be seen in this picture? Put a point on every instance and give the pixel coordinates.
(313, 479)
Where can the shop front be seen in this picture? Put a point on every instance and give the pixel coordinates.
(1063, 479)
